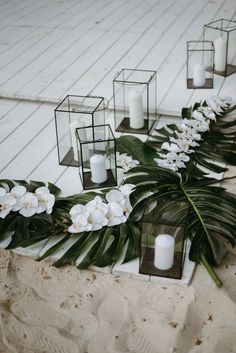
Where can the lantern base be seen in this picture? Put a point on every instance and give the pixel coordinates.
(208, 84)
(69, 160)
(88, 184)
(147, 265)
(125, 127)
(230, 70)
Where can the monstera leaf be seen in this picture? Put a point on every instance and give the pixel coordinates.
(211, 210)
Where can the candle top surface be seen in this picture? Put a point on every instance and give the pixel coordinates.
(220, 39)
(97, 158)
(164, 240)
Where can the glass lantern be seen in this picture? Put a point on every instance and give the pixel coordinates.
(163, 239)
(223, 33)
(135, 94)
(200, 63)
(71, 113)
(96, 147)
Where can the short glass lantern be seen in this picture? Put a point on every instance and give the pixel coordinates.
(96, 147)
(71, 113)
(223, 33)
(200, 61)
(163, 239)
(135, 94)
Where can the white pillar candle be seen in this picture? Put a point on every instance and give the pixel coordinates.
(164, 251)
(98, 168)
(220, 45)
(73, 126)
(136, 110)
(199, 75)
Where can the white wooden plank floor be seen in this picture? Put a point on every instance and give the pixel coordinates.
(49, 48)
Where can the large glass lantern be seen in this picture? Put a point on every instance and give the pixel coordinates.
(96, 147)
(223, 33)
(163, 239)
(200, 63)
(71, 113)
(135, 94)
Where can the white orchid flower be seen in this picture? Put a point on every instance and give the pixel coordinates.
(126, 162)
(46, 200)
(28, 204)
(189, 134)
(115, 195)
(97, 219)
(126, 189)
(97, 205)
(78, 210)
(215, 104)
(121, 198)
(7, 201)
(115, 214)
(17, 192)
(208, 113)
(165, 163)
(80, 222)
(2, 192)
(185, 144)
(197, 115)
(172, 147)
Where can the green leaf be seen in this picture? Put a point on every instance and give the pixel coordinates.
(97, 249)
(76, 249)
(55, 247)
(135, 148)
(133, 239)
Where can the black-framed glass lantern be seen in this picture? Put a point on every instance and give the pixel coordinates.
(74, 112)
(200, 62)
(163, 239)
(135, 95)
(223, 33)
(96, 147)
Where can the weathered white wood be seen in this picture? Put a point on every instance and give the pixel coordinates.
(78, 46)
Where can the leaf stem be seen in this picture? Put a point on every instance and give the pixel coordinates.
(210, 270)
(203, 259)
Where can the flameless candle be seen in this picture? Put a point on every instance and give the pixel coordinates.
(164, 251)
(199, 75)
(220, 45)
(73, 126)
(136, 110)
(98, 168)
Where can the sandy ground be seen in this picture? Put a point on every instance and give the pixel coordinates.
(49, 310)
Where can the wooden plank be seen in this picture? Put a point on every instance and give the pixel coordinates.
(173, 92)
(46, 65)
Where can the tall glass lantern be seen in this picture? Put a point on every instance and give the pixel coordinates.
(96, 147)
(200, 62)
(223, 33)
(74, 112)
(135, 95)
(163, 238)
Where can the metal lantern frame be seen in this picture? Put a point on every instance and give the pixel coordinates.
(101, 141)
(142, 80)
(87, 110)
(152, 224)
(226, 28)
(204, 51)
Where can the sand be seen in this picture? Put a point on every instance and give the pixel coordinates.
(44, 309)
